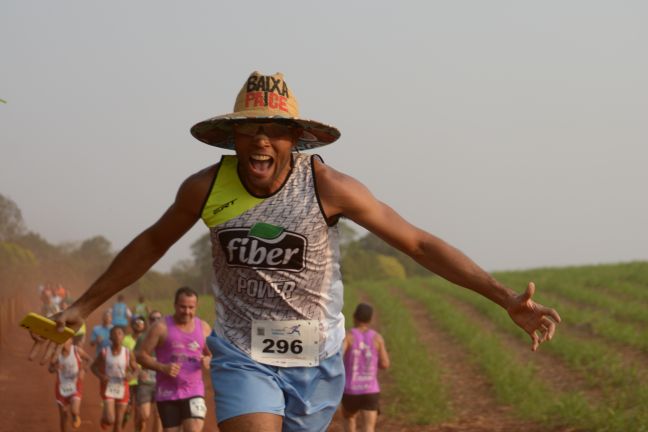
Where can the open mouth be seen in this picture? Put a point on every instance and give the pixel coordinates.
(261, 164)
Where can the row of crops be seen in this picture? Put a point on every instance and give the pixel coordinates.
(602, 343)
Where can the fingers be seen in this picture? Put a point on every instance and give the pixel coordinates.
(543, 333)
(36, 349)
(52, 350)
(549, 328)
(529, 292)
(553, 313)
(175, 370)
(536, 341)
(60, 324)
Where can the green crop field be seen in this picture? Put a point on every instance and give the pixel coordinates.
(592, 377)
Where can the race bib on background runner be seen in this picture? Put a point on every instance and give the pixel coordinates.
(286, 343)
(197, 407)
(115, 389)
(67, 388)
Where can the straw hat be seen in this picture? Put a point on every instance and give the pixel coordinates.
(264, 97)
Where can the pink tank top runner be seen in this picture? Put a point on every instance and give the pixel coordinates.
(185, 349)
(361, 364)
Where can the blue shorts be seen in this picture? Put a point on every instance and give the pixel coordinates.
(306, 397)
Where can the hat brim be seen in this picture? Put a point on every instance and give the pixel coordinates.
(218, 132)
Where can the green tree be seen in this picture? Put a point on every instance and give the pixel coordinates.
(373, 243)
(18, 269)
(187, 273)
(391, 267)
(11, 220)
(202, 255)
(92, 257)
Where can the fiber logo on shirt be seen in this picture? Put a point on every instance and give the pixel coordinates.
(263, 246)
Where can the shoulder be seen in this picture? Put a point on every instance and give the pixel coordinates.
(158, 330)
(199, 182)
(206, 327)
(191, 196)
(205, 175)
(160, 326)
(326, 174)
(340, 193)
(378, 338)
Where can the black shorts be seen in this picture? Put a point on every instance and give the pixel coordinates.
(368, 402)
(174, 412)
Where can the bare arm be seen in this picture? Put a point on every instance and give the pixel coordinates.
(98, 366)
(133, 367)
(383, 356)
(85, 358)
(146, 249)
(144, 351)
(53, 365)
(207, 355)
(342, 195)
(348, 341)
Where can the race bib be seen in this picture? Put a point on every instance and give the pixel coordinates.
(67, 388)
(197, 407)
(115, 389)
(286, 343)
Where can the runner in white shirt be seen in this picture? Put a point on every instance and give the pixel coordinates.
(68, 366)
(114, 366)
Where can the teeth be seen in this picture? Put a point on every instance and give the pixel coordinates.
(260, 157)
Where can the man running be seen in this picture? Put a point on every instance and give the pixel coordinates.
(272, 214)
(138, 325)
(364, 352)
(100, 336)
(146, 408)
(68, 365)
(141, 308)
(178, 342)
(121, 315)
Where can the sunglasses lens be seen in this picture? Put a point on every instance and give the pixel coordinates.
(272, 130)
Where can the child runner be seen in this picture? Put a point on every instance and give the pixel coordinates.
(68, 366)
(364, 353)
(114, 366)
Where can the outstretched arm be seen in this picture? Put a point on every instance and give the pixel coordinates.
(147, 248)
(141, 253)
(342, 195)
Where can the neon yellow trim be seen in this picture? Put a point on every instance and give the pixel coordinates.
(228, 198)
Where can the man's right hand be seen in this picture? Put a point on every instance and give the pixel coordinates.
(171, 369)
(70, 317)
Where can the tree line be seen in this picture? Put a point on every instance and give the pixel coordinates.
(27, 259)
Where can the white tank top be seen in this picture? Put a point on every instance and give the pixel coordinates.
(69, 366)
(274, 258)
(116, 365)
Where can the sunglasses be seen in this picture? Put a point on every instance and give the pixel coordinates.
(271, 130)
(154, 318)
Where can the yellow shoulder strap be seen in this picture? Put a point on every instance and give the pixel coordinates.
(228, 198)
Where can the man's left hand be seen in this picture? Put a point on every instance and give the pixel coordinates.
(537, 320)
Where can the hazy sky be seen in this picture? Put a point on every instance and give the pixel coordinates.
(515, 130)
